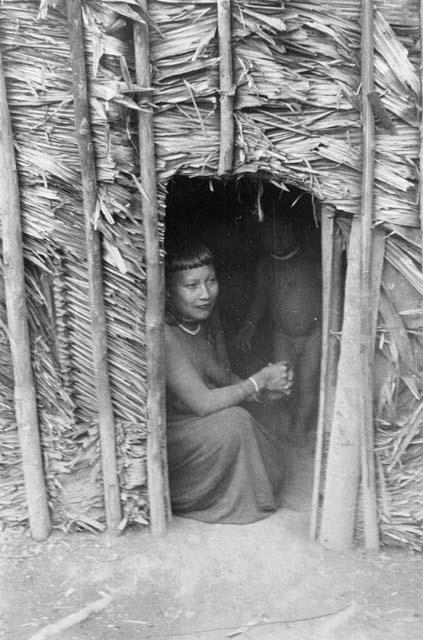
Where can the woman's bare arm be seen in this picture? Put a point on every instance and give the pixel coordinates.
(184, 382)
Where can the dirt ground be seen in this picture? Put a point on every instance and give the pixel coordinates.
(262, 581)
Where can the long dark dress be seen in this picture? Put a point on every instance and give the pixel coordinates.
(223, 467)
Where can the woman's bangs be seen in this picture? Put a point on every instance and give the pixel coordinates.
(186, 260)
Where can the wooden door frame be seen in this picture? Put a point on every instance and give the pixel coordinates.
(332, 298)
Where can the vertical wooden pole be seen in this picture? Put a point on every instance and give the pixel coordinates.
(351, 443)
(378, 256)
(17, 320)
(224, 14)
(335, 324)
(368, 472)
(333, 286)
(343, 461)
(327, 225)
(421, 134)
(95, 267)
(156, 413)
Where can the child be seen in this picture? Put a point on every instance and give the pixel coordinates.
(288, 286)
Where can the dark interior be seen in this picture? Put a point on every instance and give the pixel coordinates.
(225, 217)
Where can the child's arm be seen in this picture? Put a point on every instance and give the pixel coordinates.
(257, 308)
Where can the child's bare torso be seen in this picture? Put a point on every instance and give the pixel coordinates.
(293, 291)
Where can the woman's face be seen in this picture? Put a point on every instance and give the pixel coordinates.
(194, 292)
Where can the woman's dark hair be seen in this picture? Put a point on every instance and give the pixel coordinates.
(189, 255)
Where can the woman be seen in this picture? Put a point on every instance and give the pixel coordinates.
(223, 465)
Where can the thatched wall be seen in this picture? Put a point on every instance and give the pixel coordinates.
(37, 65)
(297, 98)
(297, 115)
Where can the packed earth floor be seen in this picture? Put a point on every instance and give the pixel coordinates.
(263, 581)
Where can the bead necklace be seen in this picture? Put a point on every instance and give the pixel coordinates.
(192, 332)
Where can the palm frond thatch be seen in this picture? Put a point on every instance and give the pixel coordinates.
(297, 115)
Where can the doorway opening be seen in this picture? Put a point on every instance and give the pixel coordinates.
(234, 220)
(228, 218)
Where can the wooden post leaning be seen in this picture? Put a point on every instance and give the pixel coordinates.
(227, 127)
(343, 460)
(333, 288)
(156, 408)
(327, 232)
(17, 320)
(95, 268)
(368, 472)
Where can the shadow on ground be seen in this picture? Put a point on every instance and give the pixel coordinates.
(263, 581)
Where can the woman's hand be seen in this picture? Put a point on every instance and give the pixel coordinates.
(276, 377)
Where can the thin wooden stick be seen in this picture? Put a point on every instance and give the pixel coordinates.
(226, 87)
(335, 324)
(17, 319)
(327, 226)
(95, 268)
(377, 261)
(72, 619)
(368, 472)
(156, 412)
(421, 134)
(333, 287)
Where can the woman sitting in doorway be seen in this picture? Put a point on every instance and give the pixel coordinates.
(224, 466)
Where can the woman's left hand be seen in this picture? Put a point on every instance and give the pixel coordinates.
(279, 377)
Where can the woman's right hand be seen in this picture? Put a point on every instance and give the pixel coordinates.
(275, 377)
